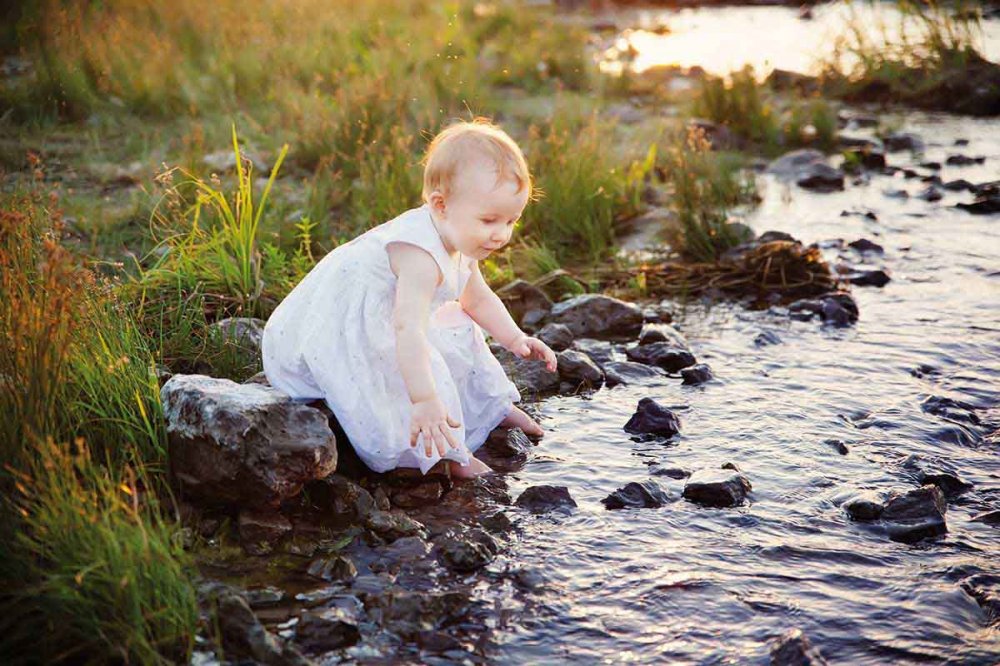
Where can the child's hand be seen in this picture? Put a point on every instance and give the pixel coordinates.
(527, 347)
(430, 418)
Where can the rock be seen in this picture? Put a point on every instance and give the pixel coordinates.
(245, 332)
(599, 351)
(332, 627)
(533, 319)
(663, 313)
(259, 378)
(343, 497)
(556, 336)
(416, 496)
(696, 374)
(260, 531)
(507, 443)
(898, 141)
(242, 634)
(671, 472)
(222, 161)
(985, 589)
(626, 372)
(652, 418)
(771, 236)
(661, 354)
(864, 507)
(983, 205)
(808, 169)
(719, 137)
(468, 552)
(821, 178)
(958, 185)
(717, 488)
(662, 333)
(834, 308)
(878, 278)
(838, 446)
(794, 649)
(337, 568)
(930, 193)
(407, 613)
(402, 551)
(392, 525)
(437, 642)
(530, 376)
(243, 445)
(936, 474)
(867, 156)
(864, 246)
(596, 315)
(952, 410)
(765, 338)
(987, 518)
(577, 368)
(644, 495)
(915, 514)
(964, 160)
(540, 499)
(522, 297)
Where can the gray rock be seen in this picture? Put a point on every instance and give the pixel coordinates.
(637, 495)
(468, 552)
(807, 168)
(663, 333)
(332, 627)
(577, 368)
(821, 178)
(987, 518)
(662, 355)
(540, 499)
(877, 278)
(915, 514)
(242, 635)
(626, 372)
(834, 308)
(599, 351)
(863, 507)
(652, 418)
(343, 497)
(530, 376)
(697, 374)
(522, 297)
(717, 488)
(243, 445)
(794, 649)
(260, 531)
(898, 141)
(596, 315)
(556, 336)
(245, 332)
(337, 568)
(392, 525)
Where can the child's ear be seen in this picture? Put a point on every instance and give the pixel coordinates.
(437, 202)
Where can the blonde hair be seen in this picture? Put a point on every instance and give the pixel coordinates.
(453, 146)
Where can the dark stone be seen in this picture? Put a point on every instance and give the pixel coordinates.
(242, 445)
(529, 375)
(343, 497)
(392, 525)
(863, 245)
(539, 499)
(661, 354)
(599, 351)
(507, 443)
(260, 531)
(332, 627)
(964, 160)
(652, 418)
(771, 236)
(717, 488)
(958, 185)
(936, 474)
(644, 495)
(336, 568)
(522, 297)
(864, 507)
(697, 374)
(468, 552)
(408, 613)
(821, 178)
(794, 649)
(915, 514)
(868, 157)
(242, 634)
(556, 336)
(983, 205)
(898, 141)
(626, 372)
(952, 410)
(596, 315)
(578, 368)
(834, 308)
(877, 278)
(671, 472)
(838, 446)
(765, 338)
(662, 333)
(930, 193)
(437, 641)
(415, 497)
(933, 166)
(987, 518)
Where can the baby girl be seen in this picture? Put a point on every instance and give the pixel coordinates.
(388, 328)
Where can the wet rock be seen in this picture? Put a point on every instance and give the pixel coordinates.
(663, 333)
(953, 410)
(497, 523)
(599, 351)
(985, 589)
(332, 627)
(930, 193)
(821, 178)
(877, 278)
(530, 376)
(864, 507)
(834, 308)
(964, 160)
(577, 368)
(522, 297)
(717, 488)
(468, 552)
(898, 141)
(343, 497)
(808, 169)
(794, 649)
(958, 185)
(415, 497)
(626, 372)
(540, 499)
(596, 315)
(531, 580)
(242, 634)
(507, 443)
(765, 338)
(868, 157)
(838, 446)
(987, 518)
(652, 418)
(933, 166)
(260, 531)
(242, 445)
(245, 332)
(670, 472)
(865, 246)
(662, 313)
(556, 336)
(337, 568)
(937, 474)
(637, 495)
(401, 551)
(409, 613)
(696, 374)
(771, 236)
(437, 641)
(915, 514)
(392, 525)
(662, 355)
(983, 205)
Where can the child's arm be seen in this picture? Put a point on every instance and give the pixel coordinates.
(418, 277)
(487, 310)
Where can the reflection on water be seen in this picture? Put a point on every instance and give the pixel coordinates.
(687, 584)
(723, 40)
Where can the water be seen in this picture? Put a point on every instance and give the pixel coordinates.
(687, 584)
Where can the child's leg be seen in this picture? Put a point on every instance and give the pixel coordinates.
(476, 467)
(518, 419)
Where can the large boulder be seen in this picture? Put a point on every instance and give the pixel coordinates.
(596, 315)
(243, 445)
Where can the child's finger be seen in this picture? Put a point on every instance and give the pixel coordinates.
(428, 442)
(449, 437)
(414, 433)
(453, 423)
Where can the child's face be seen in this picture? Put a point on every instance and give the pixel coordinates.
(479, 214)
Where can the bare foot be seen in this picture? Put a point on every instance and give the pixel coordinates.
(476, 467)
(518, 419)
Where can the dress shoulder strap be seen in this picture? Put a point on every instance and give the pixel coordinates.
(417, 228)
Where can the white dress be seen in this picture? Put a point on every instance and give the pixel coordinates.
(332, 338)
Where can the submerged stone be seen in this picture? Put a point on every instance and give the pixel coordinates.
(661, 354)
(794, 649)
(540, 499)
(626, 372)
(915, 514)
(637, 495)
(864, 507)
(697, 374)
